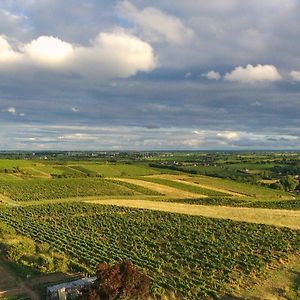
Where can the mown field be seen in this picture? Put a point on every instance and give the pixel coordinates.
(198, 258)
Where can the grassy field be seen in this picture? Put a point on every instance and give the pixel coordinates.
(249, 190)
(198, 258)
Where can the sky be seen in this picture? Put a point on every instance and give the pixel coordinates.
(149, 75)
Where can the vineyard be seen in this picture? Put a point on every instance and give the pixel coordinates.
(38, 189)
(223, 201)
(198, 258)
(185, 187)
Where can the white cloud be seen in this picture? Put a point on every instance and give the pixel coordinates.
(156, 25)
(212, 75)
(252, 74)
(11, 110)
(110, 55)
(295, 75)
(76, 136)
(229, 135)
(49, 50)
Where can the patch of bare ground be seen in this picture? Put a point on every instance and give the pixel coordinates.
(11, 285)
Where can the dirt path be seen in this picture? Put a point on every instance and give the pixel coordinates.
(187, 180)
(276, 217)
(11, 286)
(163, 189)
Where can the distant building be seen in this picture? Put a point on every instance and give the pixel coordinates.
(68, 290)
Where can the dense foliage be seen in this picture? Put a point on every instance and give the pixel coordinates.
(199, 258)
(122, 281)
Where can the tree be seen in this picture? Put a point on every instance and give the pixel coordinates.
(289, 183)
(276, 186)
(121, 281)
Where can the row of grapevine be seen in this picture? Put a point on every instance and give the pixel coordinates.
(196, 257)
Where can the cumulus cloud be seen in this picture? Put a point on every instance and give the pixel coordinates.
(115, 54)
(49, 50)
(155, 24)
(295, 75)
(212, 75)
(253, 74)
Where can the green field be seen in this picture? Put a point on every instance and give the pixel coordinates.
(120, 170)
(196, 257)
(38, 189)
(185, 187)
(91, 212)
(250, 190)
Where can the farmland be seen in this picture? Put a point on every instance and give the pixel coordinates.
(186, 255)
(198, 236)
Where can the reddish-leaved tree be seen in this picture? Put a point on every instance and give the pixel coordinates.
(121, 281)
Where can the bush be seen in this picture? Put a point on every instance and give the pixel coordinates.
(45, 263)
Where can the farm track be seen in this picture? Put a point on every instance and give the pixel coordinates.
(275, 217)
(163, 189)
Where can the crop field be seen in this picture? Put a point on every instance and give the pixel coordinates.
(277, 217)
(293, 204)
(196, 235)
(120, 170)
(38, 189)
(249, 190)
(196, 257)
(165, 190)
(186, 187)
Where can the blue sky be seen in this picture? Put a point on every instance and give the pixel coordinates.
(146, 75)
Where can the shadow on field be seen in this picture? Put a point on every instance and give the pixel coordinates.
(297, 281)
